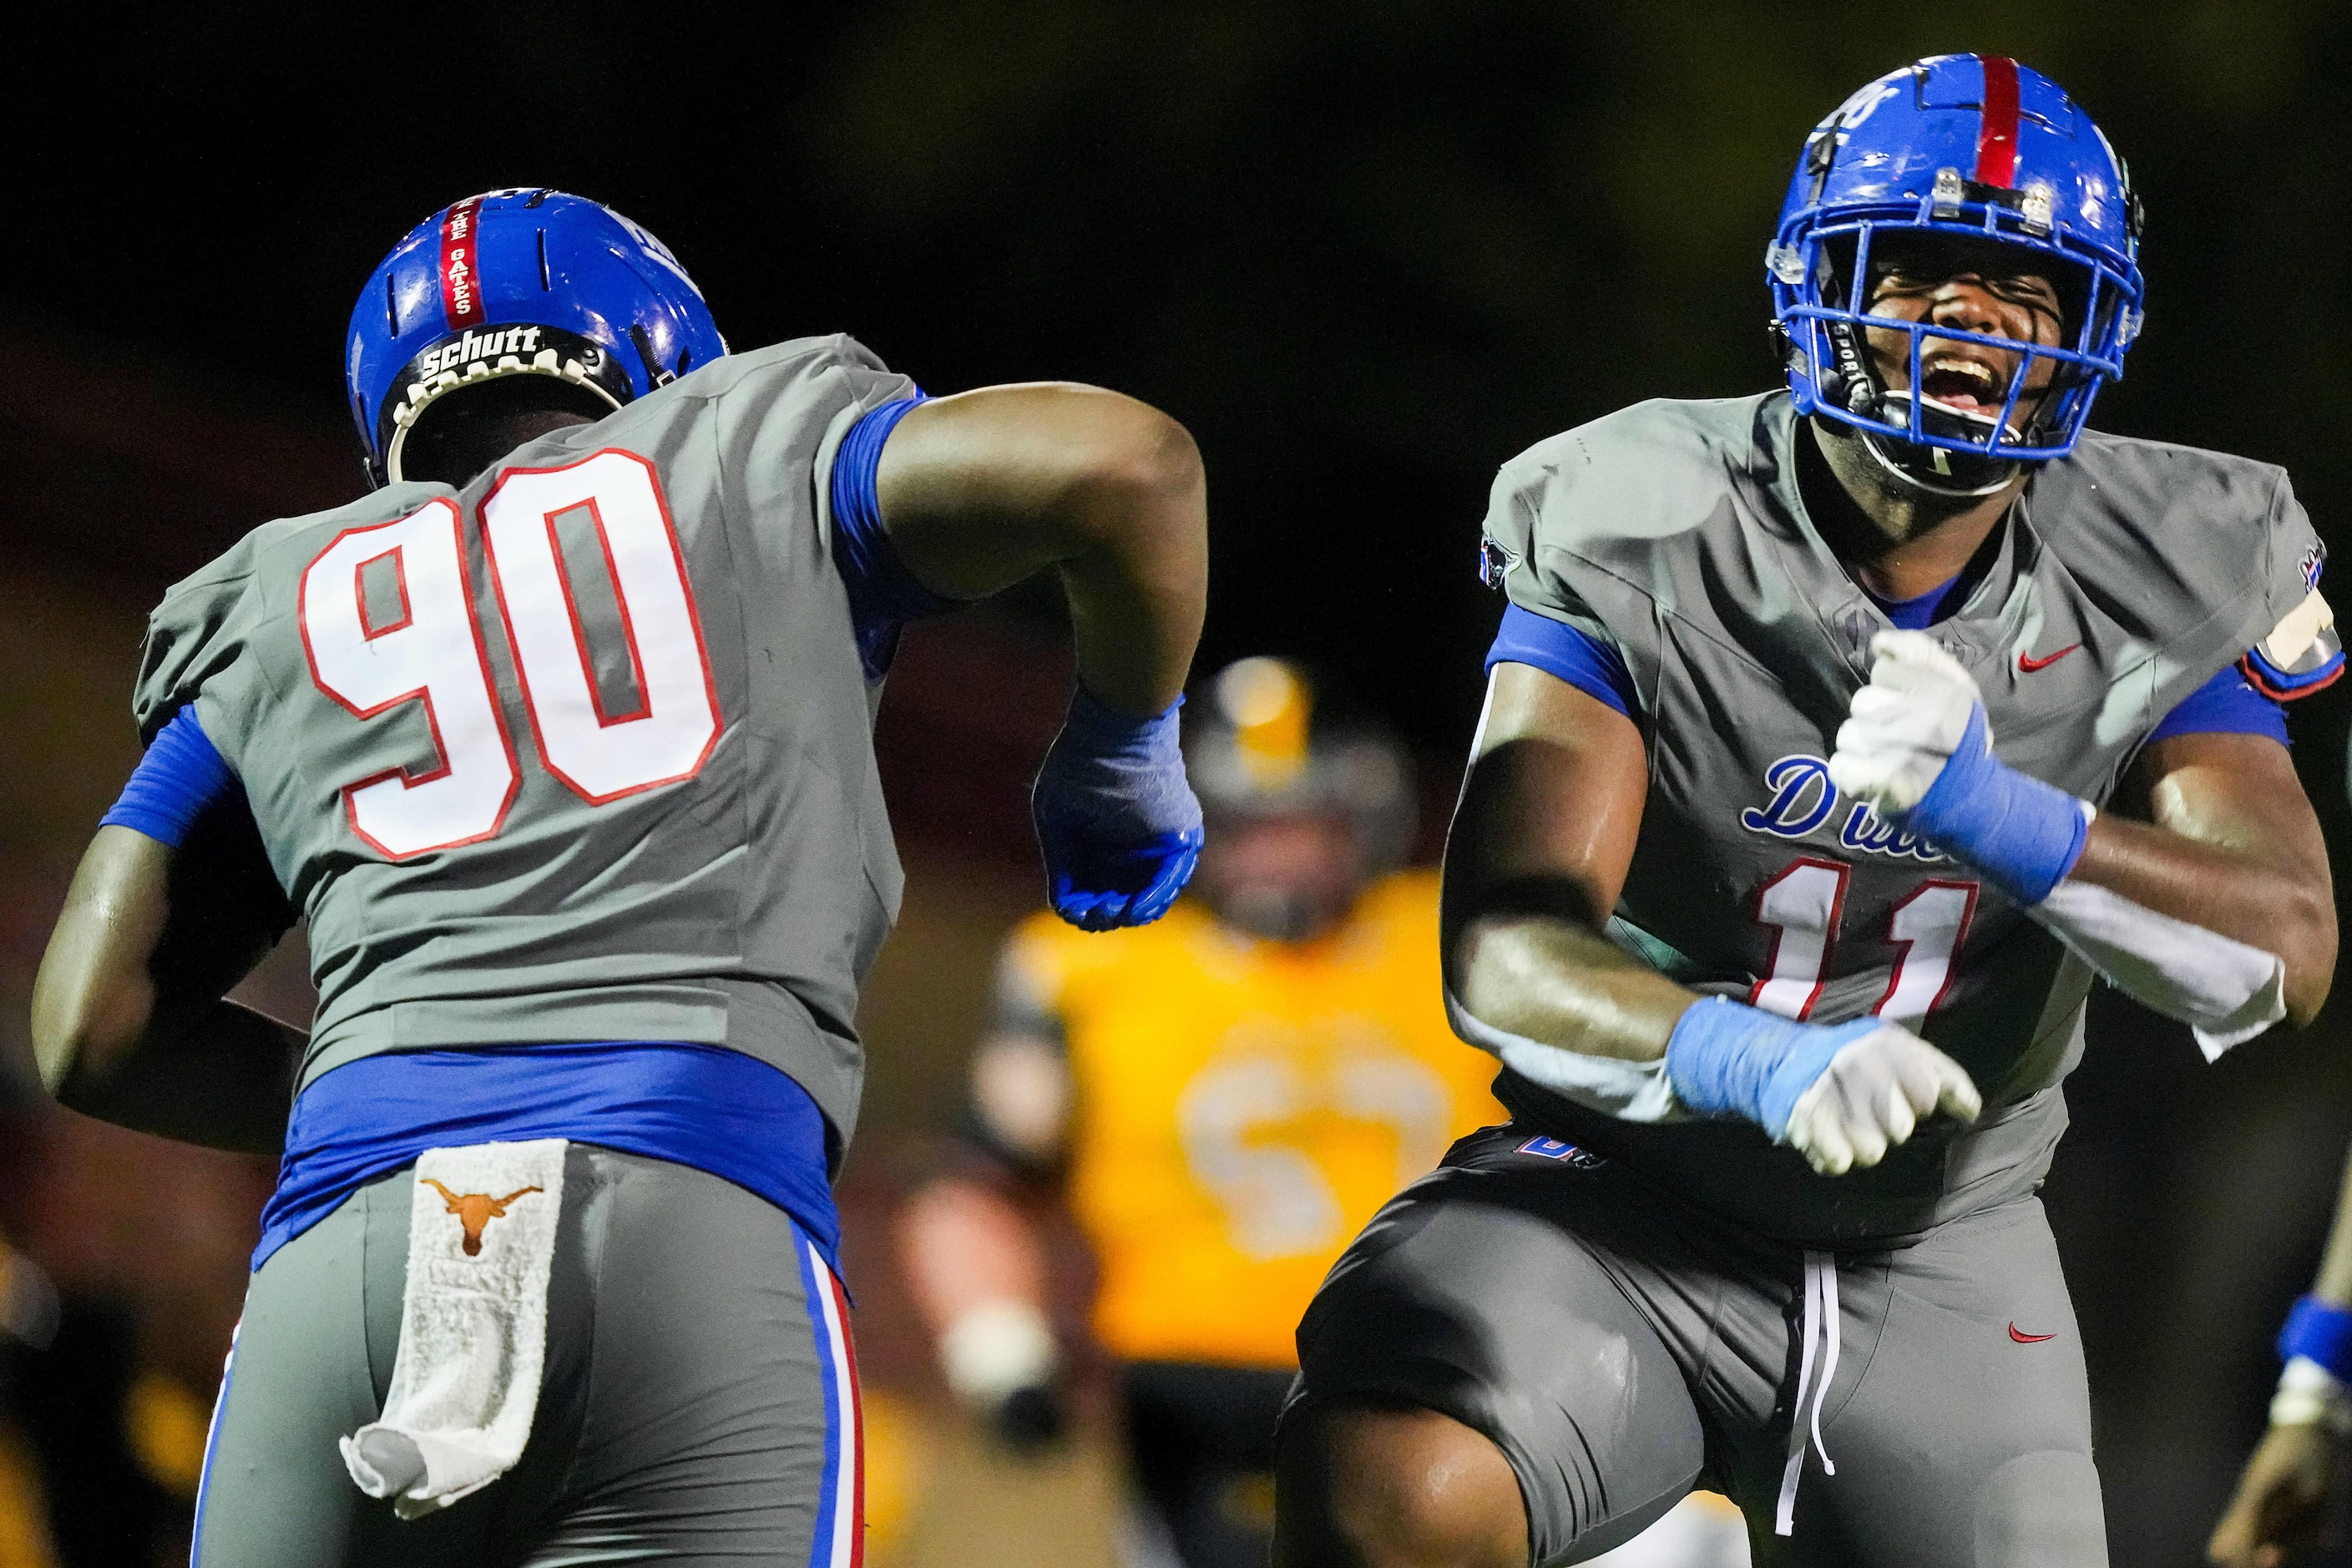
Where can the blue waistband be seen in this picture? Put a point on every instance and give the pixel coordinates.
(705, 1106)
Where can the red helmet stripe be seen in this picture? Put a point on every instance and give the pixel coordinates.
(461, 263)
(1996, 138)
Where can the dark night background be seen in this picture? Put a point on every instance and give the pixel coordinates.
(1366, 251)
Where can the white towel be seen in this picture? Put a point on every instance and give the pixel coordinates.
(473, 1326)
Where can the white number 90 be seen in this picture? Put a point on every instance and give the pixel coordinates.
(432, 652)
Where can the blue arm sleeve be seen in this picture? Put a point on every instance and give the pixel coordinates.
(883, 594)
(1585, 662)
(181, 777)
(2225, 705)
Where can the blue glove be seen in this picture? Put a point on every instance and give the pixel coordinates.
(1116, 822)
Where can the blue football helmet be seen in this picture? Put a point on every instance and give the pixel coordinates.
(1975, 148)
(527, 281)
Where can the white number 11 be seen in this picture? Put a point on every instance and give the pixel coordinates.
(1804, 903)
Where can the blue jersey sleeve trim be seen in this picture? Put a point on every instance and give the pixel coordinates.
(1592, 667)
(182, 777)
(2225, 705)
(883, 594)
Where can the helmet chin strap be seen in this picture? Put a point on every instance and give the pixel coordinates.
(1939, 471)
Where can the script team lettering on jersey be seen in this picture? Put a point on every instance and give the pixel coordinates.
(1802, 798)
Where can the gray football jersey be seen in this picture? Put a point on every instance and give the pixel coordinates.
(582, 752)
(2131, 572)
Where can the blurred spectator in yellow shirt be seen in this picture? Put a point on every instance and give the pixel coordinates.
(1222, 1100)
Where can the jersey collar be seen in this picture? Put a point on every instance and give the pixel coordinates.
(1976, 634)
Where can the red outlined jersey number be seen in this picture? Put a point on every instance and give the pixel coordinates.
(598, 755)
(1929, 925)
(432, 651)
(1803, 904)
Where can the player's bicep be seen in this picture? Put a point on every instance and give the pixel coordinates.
(980, 489)
(1552, 805)
(2235, 792)
(2223, 915)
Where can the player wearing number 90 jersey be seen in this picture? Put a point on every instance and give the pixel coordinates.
(1798, 827)
(577, 751)
(560, 741)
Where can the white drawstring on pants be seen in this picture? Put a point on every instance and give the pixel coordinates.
(1821, 1321)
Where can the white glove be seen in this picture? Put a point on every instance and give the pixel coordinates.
(1870, 1097)
(1906, 723)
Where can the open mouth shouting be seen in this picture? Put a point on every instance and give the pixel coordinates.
(1963, 382)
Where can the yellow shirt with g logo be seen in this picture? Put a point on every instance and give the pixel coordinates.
(1243, 1107)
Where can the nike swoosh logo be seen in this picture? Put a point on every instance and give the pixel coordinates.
(2027, 664)
(2028, 1339)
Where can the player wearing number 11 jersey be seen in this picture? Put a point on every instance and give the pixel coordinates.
(1836, 741)
(559, 742)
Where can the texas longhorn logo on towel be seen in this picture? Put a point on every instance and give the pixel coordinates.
(476, 1210)
(473, 1326)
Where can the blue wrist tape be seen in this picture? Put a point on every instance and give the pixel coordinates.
(1117, 738)
(1725, 1058)
(2321, 1331)
(2023, 834)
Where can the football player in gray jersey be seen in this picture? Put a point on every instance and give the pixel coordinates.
(559, 742)
(1836, 741)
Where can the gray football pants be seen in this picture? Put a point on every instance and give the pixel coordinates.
(1620, 1347)
(697, 1405)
